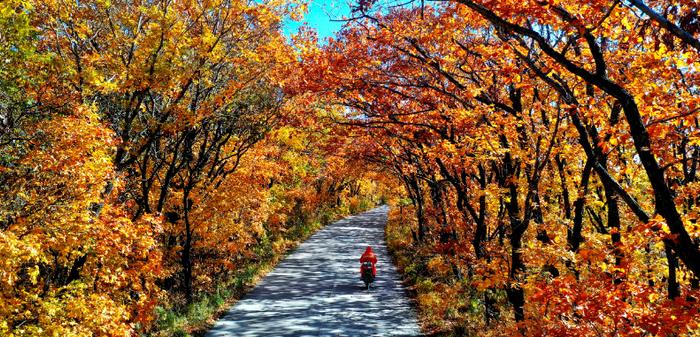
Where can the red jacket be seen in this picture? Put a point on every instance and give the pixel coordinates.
(369, 256)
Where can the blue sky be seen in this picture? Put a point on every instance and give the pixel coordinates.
(319, 17)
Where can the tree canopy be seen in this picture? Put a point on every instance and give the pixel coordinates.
(547, 151)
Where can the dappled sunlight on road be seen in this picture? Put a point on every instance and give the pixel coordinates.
(316, 291)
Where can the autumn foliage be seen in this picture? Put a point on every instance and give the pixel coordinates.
(542, 157)
(548, 151)
(148, 150)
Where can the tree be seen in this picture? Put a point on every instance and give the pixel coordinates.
(511, 106)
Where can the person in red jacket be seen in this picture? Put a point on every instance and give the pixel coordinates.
(369, 256)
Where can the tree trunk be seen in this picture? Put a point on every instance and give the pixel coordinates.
(187, 249)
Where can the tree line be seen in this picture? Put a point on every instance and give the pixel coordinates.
(149, 150)
(548, 149)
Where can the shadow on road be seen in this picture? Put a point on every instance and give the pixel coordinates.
(316, 291)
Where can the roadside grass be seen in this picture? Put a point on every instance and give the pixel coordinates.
(195, 319)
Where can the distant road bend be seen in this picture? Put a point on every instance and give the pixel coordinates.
(316, 291)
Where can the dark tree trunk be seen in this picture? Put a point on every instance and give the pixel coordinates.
(516, 295)
(575, 237)
(674, 289)
(187, 249)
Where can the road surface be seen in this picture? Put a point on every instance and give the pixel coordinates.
(316, 291)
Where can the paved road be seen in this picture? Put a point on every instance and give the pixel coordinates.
(316, 291)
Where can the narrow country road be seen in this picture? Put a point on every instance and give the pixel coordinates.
(316, 291)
